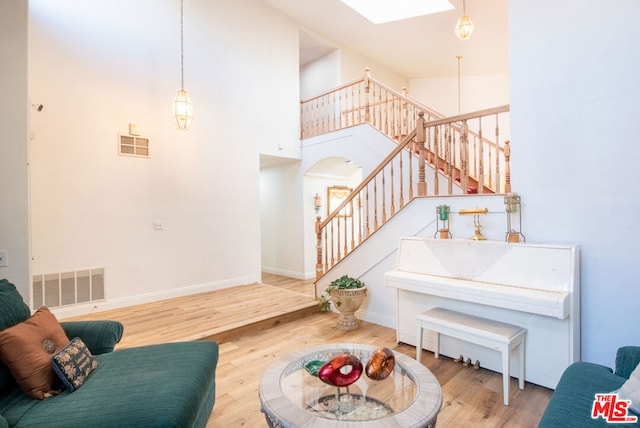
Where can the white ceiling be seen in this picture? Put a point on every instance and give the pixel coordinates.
(333, 167)
(418, 47)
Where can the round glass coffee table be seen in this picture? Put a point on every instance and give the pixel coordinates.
(291, 397)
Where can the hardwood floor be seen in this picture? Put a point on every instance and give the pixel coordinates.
(305, 287)
(471, 398)
(217, 315)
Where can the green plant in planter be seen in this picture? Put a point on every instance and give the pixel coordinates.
(345, 282)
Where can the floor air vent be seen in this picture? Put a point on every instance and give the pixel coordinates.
(68, 288)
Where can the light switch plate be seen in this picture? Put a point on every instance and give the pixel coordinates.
(4, 258)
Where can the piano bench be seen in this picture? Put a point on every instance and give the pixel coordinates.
(481, 331)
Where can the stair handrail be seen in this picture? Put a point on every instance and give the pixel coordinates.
(367, 80)
(459, 124)
(330, 253)
(359, 102)
(330, 91)
(367, 83)
(439, 118)
(466, 116)
(323, 264)
(429, 112)
(408, 139)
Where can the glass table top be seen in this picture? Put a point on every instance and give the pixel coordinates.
(292, 396)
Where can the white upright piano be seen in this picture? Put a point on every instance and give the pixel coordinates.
(535, 286)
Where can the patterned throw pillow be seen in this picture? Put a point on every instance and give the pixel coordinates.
(73, 364)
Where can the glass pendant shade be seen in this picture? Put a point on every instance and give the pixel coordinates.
(464, 28)
(182, 110)
(182, 106)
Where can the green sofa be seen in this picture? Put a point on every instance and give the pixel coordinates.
(166, 385)
(572, 401)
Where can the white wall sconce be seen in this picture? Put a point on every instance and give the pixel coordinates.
(317, 203)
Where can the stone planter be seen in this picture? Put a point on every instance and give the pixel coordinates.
(347, 302)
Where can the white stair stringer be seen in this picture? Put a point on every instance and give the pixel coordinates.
(377, 254)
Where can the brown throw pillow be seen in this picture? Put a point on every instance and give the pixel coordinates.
(27, 347)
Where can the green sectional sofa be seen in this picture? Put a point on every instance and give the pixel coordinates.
(571, 404)
(165, 385)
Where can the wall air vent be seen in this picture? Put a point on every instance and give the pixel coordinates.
(68, 288)
(133, 145)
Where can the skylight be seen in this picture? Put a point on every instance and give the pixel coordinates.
(381, 11)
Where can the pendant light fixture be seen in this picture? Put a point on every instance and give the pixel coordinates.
(182, 106)
(464, 28)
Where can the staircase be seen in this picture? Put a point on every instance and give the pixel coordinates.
(434, 156)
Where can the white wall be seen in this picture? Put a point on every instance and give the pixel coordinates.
(317, 184)
(287, 236)
(320, 75)
(353, 67)
(282, 220)
(476, 93)
(363, 144)
(573, 96)
(96, 69)
(14, 172)
(574, 106)
(343, 66)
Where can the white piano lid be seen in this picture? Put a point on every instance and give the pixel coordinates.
(542, 267)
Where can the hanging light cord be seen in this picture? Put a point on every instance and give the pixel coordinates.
(181, 45)
(459, 58)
